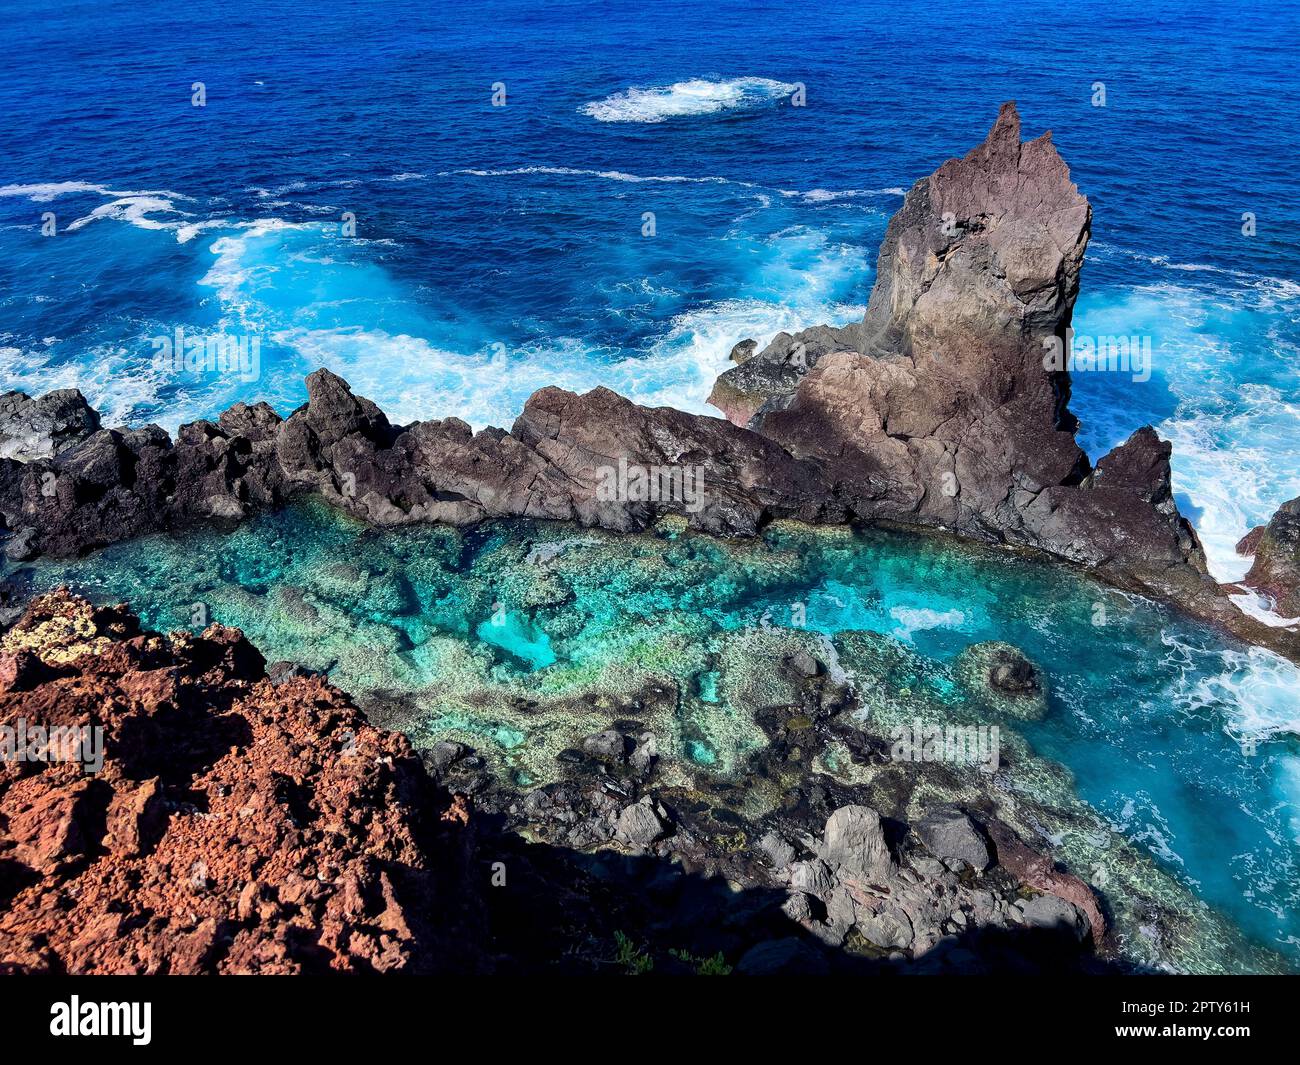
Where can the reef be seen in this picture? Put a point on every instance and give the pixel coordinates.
(240, 822)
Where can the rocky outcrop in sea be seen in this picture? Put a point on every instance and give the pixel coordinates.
(947, 407)
(1275, 567)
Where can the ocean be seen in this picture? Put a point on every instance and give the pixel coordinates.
(497, 249)
(454, 205)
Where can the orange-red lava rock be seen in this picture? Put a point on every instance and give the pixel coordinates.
(235, 825)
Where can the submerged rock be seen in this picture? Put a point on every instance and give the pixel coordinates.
(1000, 676)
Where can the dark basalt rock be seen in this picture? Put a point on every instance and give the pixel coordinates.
(936, 410)
(944, 414)
(41, 428)
(951, 836)
(1276, 568)
(767, 380)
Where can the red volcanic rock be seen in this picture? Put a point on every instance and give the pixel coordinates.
(235, 826)
(1037, 871)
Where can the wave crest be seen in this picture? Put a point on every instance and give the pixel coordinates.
(685, 98)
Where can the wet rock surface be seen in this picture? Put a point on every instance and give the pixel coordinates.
(1275, 570)
(938, 410)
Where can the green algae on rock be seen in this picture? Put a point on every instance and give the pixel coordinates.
(744, 670)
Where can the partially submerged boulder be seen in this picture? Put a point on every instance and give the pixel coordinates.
(1275, 570)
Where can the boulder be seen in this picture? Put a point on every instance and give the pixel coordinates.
(854, 843)
(608, 746)
(813, 877)
(640, 824)
(778, 850)
(1055, 914)
(951, 836)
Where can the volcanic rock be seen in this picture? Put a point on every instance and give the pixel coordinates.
(235, 825)
(950, 835)
(640, 824)
(1276, 568)
(855, 842)
(41, 428)
(942, 408)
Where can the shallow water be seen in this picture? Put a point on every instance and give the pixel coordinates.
(1180, 738)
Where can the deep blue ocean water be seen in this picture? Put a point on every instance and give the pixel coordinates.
(499, 249)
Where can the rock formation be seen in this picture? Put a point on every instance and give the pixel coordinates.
(233, 826)
(41, 428)
(1275, 570)
(937, 410)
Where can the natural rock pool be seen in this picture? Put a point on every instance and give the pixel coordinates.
(521, 639)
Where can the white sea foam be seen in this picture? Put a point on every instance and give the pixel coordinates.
(608, 175)
(412, 377)
(117, 379)
(834, 195)
(1227, 358)
(1261, 609)
(430, 373)
(45, 192)
(1283, 286)
(1254, 689)
(912, 620)
(140, 209)
(137, 210)
(685, 98)
(811, 196)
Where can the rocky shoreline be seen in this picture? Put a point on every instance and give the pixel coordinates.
(248, 818)
(242, 822)
(935, 411)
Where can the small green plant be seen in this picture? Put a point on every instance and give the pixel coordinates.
(712, 966)
(630, 956)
